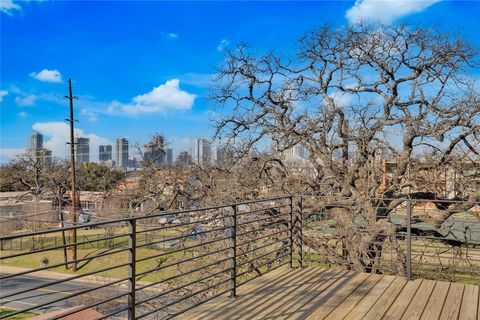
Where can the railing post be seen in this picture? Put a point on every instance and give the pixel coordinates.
(409, 240)
(233, 235)
(132, 244)
(290, 232)
(299, 232)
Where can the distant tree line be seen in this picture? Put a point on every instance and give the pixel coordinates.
(26, 173)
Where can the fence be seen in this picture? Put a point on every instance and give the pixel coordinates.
(165, 264)
(435, 239)
(92, 241)
(162, 264)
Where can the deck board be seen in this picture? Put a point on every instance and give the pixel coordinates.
(385, 301)
(434, 307)
(318, 293)
(452, 305)
(327, 290)
(271, 302)
(309, 292)
(401, 303)
(469, 307)
(336, 300)
(420, 300)
(362, 308)
(354, 298)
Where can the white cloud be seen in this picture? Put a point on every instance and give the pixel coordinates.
(8, 6)
(57, 133)
(26, 101)
(342, 99)
(385, 11)
(89, 114)
(15, 89)
(3, 93)
(224, 43)
(47, 75)
(200, 80)
(171, 35)
(167, 96)
(23, 114)
(7, 154)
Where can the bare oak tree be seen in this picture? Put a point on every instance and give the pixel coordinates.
(353, 97)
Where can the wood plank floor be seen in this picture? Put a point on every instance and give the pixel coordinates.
(316, 293)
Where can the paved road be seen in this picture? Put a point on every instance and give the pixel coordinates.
(39, 296)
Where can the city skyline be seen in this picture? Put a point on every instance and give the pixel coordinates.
(165, 84)
(204, 152)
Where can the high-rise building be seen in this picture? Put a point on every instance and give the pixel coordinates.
(121, 153)
(169, 156)
(155, 151)
(43, 155)
(82, 150)
(296, 156)
(36, 149)
(184, 158)
(295, 153)
(204, 152)
(46, 155)
(36, 141)
(133, 163)
(220, 155)
(105, 152)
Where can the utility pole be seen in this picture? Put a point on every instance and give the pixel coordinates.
(72, 162)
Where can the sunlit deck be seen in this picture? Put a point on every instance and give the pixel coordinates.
(316, 293)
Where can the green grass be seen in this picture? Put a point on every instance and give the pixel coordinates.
(56, 256)
(33, 260)
(21, 316)
(87, 238)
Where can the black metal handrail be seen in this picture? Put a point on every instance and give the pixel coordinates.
(404, 239)
(219, 257)
(168, 268)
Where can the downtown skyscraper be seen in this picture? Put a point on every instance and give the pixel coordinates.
(36, 149)
(121, 153)
(105, 152)
(82, 150)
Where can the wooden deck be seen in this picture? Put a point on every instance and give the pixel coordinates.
(316, 293)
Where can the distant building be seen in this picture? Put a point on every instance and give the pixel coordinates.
(297, 152)
(222, 154)
(204, 152)
(121, 153)
(184, 158)
(82, 150)
(454, 179)
(169, 157)
(38, 152)
(36, 141)
(133, 163)
(43, 155)
(155, 151)
(105, 152)
(109, 163)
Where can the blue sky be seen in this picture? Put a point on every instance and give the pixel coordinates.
(141, 68)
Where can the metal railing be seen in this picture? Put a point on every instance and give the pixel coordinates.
(161, 265)
(416, 238)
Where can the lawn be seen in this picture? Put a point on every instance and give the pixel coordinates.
(4, 312)
(33, 260)
(87, 239)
